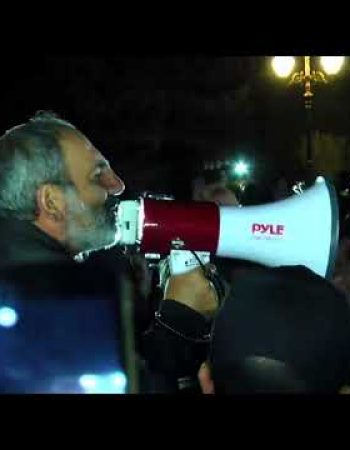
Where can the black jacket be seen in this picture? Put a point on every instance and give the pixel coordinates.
(292, 318)
(69, 319)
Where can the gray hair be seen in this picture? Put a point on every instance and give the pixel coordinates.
(30, 156)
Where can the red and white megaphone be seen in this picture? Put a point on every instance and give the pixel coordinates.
(300, 230)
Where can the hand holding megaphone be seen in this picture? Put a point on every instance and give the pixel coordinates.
(193, 290)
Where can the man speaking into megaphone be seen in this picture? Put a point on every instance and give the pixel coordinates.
(56, 204)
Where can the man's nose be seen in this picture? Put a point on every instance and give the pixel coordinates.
(112, 183)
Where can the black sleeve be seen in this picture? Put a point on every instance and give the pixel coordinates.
(177, 342)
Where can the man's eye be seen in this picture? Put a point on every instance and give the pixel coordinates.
(97, 174)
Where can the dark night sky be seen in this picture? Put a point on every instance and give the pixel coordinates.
(159, 118)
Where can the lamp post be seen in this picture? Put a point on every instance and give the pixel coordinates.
(283, 67)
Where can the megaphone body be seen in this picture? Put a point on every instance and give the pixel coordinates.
(300, 230)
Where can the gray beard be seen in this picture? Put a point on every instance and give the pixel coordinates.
(101, 233)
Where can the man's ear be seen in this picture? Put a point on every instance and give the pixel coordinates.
(51, 202)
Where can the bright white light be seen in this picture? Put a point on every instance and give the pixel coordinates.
(111, 383)
(240, 168)
(283, 65)
(120, 381)
(332, 64)
(8, 317)
(88, 382)
(319, 179)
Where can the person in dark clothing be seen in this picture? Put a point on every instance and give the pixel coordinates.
(58, 205)
(282, 330)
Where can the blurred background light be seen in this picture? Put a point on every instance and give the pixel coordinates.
(112, 383)
(88, 382)
(241, 168)
(8, 317)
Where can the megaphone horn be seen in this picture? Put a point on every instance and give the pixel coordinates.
(300, 230)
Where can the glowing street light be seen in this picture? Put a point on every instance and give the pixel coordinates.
(283, 67)
(332, 64)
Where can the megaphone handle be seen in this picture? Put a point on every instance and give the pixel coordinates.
(183, 261)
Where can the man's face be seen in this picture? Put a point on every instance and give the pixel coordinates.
(90, 221)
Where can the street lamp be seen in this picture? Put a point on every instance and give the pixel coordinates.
(283, 67)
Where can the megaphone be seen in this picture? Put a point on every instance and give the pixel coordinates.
(300, 230)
